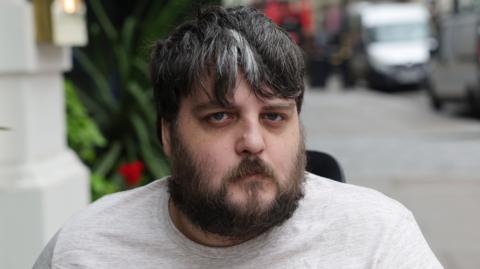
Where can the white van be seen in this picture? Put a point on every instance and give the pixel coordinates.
(391, 43)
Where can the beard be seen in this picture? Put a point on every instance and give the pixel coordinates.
(209, 209)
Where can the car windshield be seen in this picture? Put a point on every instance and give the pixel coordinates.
(398, 32)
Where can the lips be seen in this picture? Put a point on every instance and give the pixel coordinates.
(251, 176)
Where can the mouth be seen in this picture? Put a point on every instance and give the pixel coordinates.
(251, 176)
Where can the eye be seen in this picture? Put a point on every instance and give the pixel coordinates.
(273, 117)
(219, 118)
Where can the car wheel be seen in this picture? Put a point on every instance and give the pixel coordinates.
(473, 98)
(435, 101)
(373, 82)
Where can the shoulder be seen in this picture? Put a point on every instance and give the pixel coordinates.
(345, 197)
(371, 227)
(347, 203)
(111, 219)
(120, 204)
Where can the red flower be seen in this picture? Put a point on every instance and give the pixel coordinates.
(131, 172)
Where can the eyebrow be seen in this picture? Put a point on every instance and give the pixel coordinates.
(210, 105)
(280, 106)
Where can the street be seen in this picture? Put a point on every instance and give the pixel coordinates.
(397, 144)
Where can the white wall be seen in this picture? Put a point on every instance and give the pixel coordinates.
(42, 182)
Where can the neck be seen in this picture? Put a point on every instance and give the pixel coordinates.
(194, 233)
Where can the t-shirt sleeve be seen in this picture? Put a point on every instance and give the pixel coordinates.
(44, 261)
(407, 248)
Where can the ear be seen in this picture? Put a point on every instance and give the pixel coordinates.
(167, 147)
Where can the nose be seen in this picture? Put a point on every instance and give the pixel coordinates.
(251, 140)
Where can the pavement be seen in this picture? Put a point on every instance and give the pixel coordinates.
(396, 144)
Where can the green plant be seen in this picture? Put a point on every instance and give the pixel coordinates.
(111, 75)
(85, 138)
(83, 134)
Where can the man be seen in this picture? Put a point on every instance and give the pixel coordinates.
(229, 89)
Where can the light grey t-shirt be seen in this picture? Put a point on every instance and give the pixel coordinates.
(336, 225)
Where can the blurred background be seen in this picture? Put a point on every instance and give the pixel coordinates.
(392, 93)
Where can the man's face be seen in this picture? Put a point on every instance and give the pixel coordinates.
(236, 170)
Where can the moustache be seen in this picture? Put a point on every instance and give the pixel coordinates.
(248, 167)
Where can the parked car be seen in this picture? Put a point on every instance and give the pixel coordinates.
(391, 43)
(454, 76)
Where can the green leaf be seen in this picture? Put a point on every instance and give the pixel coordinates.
(144, 101)
(131, 149)
(107, 161)
(141, 65)
(158, 164)
(128, 31)
(140, 7)
(161, 22)
(101, 186)
(140, 129)
(83, 134)
(99, 80)
(101, 113)
(123, 63)
(154, 162)
(103, 19)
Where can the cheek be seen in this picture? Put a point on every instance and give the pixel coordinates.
(216, 158)
(283, 153)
